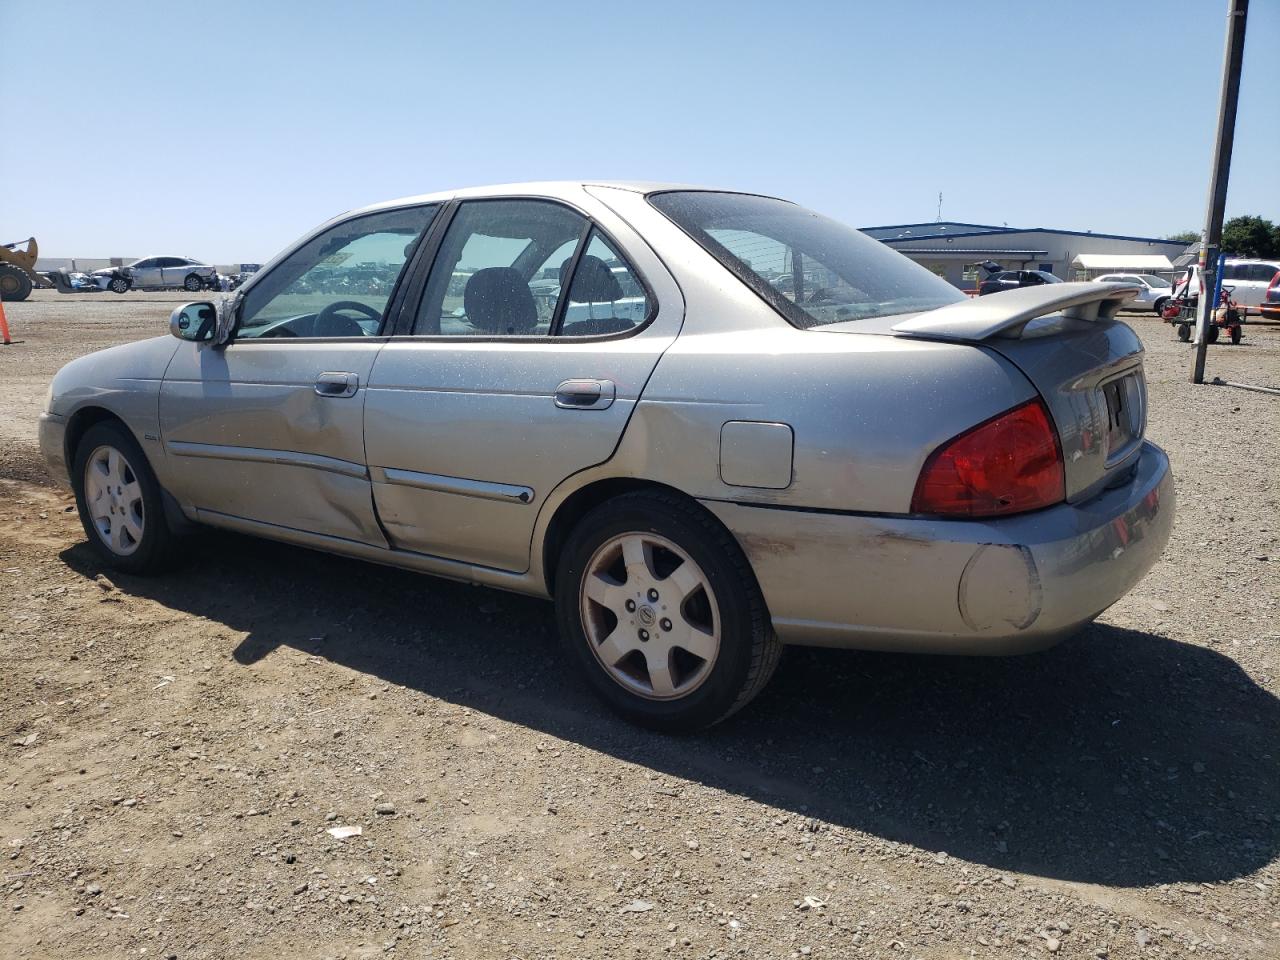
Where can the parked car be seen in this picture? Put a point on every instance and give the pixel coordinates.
(1270, 306)
(1153, 292)
(1013, 279)
(881, 464)
(157, 273)
(1249, 280)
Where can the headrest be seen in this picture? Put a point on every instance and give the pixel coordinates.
(593, 282)
(497, 300)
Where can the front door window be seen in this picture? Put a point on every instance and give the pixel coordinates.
(338, 283)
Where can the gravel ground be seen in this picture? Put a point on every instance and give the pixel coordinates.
(176, 750)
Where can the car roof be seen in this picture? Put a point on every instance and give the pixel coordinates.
(555, 189)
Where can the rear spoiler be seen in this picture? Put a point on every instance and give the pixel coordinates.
(1005, 314)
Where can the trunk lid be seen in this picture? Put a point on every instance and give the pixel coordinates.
(1065, 339)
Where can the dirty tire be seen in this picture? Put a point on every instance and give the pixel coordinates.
(1184, 332)
(118, 285)
(748, 651)
(15, 284)
(153, 550)
(192, 283)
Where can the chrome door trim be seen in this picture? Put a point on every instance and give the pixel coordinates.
(482, 489)
(289, 458)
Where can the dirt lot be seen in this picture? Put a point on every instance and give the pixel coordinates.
(175, 749)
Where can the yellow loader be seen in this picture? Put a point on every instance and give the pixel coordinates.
(18, 270)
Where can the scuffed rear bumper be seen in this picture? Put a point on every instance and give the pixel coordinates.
(1003, 586)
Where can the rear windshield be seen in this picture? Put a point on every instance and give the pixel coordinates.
(812, 270)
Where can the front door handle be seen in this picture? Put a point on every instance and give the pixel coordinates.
(585, 394)
(331, 384)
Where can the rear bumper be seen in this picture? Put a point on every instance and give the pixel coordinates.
(942, 586)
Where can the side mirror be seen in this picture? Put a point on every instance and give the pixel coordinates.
(194, 321)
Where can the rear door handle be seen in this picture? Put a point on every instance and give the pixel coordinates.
(585, 394)
(331, 384)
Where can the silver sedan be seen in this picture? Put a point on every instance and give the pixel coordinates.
(707, 424)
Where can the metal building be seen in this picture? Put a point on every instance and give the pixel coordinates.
(955, 250)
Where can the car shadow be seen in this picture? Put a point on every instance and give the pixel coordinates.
(1119, 757)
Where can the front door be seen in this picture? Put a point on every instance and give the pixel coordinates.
(146, 272)
(270, 428)
(531, 344)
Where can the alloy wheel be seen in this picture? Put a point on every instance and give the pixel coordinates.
(650, 616)
(113, 496)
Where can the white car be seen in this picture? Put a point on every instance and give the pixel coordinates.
(156, 273)
(1155, 291)
(1249, 280)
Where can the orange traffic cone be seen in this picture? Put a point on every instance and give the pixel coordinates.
(4, 325)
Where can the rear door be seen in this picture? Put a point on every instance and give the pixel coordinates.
(526, 353)
(173, 271)
(270, 429)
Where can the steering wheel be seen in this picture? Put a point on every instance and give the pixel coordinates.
(329, 324)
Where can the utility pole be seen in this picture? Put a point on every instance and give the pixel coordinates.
(1211, 238)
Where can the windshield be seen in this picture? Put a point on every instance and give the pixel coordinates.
(1153, 281)
(812, 270)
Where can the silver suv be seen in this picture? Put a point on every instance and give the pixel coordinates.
(157, 273)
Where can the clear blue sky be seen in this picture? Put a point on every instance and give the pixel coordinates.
(225, 130)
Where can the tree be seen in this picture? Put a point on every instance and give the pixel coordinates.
(1185, 236)
(1251, 237)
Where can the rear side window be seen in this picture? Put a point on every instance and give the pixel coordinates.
(812, 270)
(528, 268)
(605, 296)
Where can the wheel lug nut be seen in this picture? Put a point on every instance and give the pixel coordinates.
(631, 606)
(666, 624)
(644, 636)
(653, 594)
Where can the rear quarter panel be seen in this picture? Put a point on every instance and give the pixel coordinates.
(865, 412)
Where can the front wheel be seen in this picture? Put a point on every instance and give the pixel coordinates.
(119, 500)
(118, 285)
(192, 283)
(1236, 334)
(1212, 333)
(660, 609)
(1184, 332)
(1159, 306)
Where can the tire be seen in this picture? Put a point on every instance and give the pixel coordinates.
(722, 614)
(193, 283)
(15, 284)
(136, 538)
(118, 285)
(1212, 335)
(1184, 332)
(1236, 334)
(1159, 306)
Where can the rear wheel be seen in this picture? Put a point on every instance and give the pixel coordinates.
(1184, 332)
(119, 500)
(1159, 306)
(1236, 334)
(1212, 335)
(659, 608)
(15, 285)
(192, 283)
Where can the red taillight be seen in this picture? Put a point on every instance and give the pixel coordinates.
(1273, 288)
(1009, 464)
